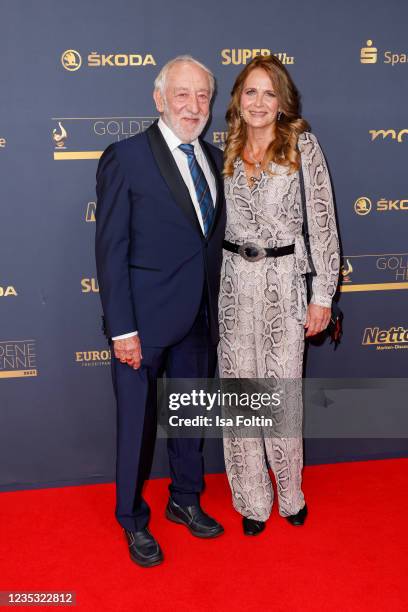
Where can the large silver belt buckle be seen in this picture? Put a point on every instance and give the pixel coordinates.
(251, 252)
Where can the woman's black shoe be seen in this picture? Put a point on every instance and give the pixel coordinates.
(298, 519)
(252, 527)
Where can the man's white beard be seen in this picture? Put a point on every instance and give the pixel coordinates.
(180, 131)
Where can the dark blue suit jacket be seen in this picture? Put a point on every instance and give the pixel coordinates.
(153, 262)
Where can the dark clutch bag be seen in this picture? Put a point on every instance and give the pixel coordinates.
(334, 328)
(336, 317)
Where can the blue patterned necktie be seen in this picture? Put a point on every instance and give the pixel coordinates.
(201, 186)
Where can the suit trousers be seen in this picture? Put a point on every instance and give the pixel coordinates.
(136, 395)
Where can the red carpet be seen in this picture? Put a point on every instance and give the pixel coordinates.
(351, 554)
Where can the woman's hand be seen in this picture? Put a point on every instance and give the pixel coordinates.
(317, 319)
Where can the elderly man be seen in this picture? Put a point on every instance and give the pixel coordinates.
(159, 231)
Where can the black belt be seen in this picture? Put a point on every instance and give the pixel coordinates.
(252, 252)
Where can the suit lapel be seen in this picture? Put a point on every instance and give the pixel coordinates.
(171, 174)
(218, 181)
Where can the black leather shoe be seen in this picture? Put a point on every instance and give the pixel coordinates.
(298, 519)
(143, 548)
(195, 519)
(252, 527)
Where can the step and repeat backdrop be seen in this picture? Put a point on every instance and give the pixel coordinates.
(77, 76)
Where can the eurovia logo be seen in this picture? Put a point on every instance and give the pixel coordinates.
(220, 139)
(93, 358)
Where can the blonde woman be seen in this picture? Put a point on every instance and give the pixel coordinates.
(264, 315)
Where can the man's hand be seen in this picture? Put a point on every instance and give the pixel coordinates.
(128, 351)
(317, 319)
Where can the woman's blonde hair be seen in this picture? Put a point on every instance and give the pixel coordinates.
(283, 149)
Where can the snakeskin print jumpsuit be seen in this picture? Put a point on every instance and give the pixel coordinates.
(262, 314)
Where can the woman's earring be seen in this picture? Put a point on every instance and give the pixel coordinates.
(279, 115)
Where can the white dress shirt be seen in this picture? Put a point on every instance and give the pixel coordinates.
(181, 160)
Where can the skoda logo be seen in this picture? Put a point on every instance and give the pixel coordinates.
(71, 60)
(362, 206)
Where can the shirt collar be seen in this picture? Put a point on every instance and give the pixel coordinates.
(171, 139)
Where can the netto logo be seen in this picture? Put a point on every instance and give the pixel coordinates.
(383, 339)
(369, 54)
(393, 134)
(89, 285)
(71, 60)
(8, 291)
(362, 206)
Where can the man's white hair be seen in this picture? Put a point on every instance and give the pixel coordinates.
(160, 80)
